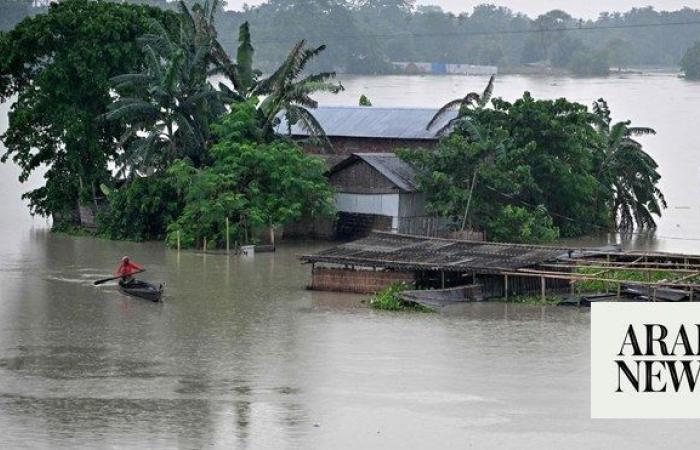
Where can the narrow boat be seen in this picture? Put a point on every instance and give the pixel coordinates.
(142, 289)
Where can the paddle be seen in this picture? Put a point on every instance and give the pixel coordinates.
(104, 280)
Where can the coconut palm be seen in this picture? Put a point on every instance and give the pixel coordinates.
(628, 171)
(463, 106)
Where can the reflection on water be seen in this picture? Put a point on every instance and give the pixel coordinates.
(241, 355)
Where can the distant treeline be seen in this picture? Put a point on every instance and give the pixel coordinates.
(363, 36)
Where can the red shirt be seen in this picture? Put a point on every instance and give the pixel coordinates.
(127, 268)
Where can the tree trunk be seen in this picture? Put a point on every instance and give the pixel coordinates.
(469, 199)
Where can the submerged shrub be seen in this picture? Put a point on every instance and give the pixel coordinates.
(140, 210)
(389, 300)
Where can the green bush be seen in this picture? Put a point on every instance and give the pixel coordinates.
(389, 300)
(140, 210)
(253, 183)
(520, 225)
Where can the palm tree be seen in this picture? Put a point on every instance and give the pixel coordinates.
(169, 106)
(285, 91)
(628, 171)
(463, 106)
(288, 93)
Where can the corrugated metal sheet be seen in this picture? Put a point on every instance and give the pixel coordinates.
(406, 252)
(372, 122)
(389, 165)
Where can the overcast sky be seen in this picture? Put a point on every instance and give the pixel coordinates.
(577, 8)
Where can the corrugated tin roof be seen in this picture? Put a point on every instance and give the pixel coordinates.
(407, 252)
(372, 122)
(391, 166)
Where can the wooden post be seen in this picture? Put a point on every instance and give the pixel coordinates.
(691, 293)
(443, 278)
(227, 237)
(272, 236)
(178, 240)
(506, 287)
(204, 246)
(653, 299)
(544, 289)
(619, 289)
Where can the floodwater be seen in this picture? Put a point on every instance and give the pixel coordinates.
(241, 355)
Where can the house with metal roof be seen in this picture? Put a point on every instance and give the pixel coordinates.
(377, 191)
(353, 129)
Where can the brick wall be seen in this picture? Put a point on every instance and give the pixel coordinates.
(357, 281)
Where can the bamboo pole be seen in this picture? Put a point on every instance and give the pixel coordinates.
(204, 246)
(506, 286)
(544, 289)
(613, 268)
(227, 238)
(178, 240)
(564, 276)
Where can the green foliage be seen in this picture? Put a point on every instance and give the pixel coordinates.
(537, 169)
(140, 210)
(169, 105)
(520, 225)
(287, 91)
(690, 64)
(253, 183)
(590, 63)
(58, 65)
(622, 275)
(627, 171)
(364, 101)
(389, 300)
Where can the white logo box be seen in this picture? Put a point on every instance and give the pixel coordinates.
(610, 324)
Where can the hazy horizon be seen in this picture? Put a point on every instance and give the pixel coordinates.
(587, 10)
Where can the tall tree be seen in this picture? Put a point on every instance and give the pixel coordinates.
(170, 104)
(58, 65)
(288, 91)
(628, 172)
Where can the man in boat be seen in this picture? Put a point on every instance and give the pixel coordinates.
(126, 269)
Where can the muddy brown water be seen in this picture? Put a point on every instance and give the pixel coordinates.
(241, 355)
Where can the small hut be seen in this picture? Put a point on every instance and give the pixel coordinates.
(378, 191)
(381, 259)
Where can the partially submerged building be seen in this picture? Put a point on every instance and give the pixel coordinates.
(378, 191)
(359, 129)
(381, 259)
